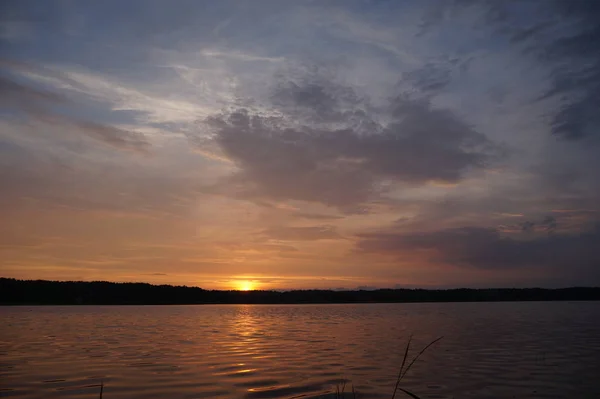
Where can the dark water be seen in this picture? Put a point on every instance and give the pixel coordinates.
(489, 350)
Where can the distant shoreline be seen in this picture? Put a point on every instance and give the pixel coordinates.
(16, 305)
(15, 292)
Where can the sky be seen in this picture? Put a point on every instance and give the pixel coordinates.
(301, 144)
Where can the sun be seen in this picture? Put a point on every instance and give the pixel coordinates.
(245, 285)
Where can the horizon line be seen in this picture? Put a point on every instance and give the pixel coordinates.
(305, 289)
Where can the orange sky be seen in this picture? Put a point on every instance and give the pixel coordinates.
(311, 145)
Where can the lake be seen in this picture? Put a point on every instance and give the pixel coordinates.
(489, 350)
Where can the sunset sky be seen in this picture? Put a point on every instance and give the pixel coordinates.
(301, 144)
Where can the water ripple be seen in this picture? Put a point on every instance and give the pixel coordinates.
(499, 350)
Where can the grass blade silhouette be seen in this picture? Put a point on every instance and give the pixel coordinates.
(420, 353)
(402, 366)
(403, 371)
(412, 395)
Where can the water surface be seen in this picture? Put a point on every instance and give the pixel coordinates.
(489, 350)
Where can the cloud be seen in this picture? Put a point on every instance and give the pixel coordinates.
(575, 61)
(317, 99)
(527, 227)
(430, 77)
(325, 145)
(38, 104)
(549, 223)
(112, 136)
(563, 37)
(316, 216)
(286, 233)
(16, 95)
(487, 248)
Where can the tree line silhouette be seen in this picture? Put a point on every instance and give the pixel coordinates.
(43, 292)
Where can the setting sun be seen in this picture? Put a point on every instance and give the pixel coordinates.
(245, 285)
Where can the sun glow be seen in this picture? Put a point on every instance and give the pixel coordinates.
(245, 285)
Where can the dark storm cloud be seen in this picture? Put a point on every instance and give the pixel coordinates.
(290, 157)
(486, 248)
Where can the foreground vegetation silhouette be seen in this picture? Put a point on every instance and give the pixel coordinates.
(340, 389)
(42, 292)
